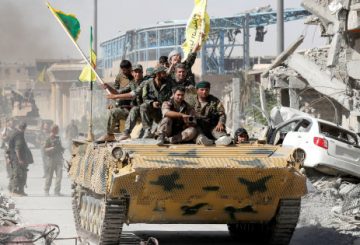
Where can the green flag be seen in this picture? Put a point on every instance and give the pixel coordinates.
(69, 21)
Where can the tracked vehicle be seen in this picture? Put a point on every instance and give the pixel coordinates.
(253, 188)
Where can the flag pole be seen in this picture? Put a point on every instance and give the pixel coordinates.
(77, 46)
(90, 135)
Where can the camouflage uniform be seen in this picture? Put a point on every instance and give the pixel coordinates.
(19, 170)
(134, 114)
(55, 163)
(185, 83)
(189, 62)
(151, 94)
(209, 114)
(5, 135)
(176, 128)
(122, 107)
(42, 139)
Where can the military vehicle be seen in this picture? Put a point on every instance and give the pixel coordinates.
(25, 109)
(255, 189)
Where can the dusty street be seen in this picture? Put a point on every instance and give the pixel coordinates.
(316, 225)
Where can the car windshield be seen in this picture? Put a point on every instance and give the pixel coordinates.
(338, 133)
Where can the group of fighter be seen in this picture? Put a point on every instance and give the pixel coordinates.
(18, 156)
(159, 99)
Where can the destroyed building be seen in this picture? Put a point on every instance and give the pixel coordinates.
(323, 81)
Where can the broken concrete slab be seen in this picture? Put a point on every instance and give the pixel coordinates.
(319, 80)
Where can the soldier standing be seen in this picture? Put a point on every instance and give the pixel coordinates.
(20, 157)
(44, 134)
(211, 117)
(178, 123)
(54, 151)
(71, 132)
(5, 135)
(155, 92)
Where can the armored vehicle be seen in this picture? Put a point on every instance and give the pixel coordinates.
(25, 109)
(253, 188)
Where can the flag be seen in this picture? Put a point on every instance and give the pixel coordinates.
(87, 74)
(69, 21)
(41, 76)
(198, 25)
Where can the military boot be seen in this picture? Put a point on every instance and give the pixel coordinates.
(147, 134)
(124, 136)
(176, 139)
(107, 137)
(203, 140)
(21, 191)
(224, 140)
(161, 139)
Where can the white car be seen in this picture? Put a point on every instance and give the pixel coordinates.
(328, 147)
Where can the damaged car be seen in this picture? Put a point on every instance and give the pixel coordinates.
(325, 146)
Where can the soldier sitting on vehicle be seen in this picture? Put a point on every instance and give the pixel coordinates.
(241, 136)
(122, 107)
(132, 91)
(155, 92)
(163, 60)
(149, 73)
(211, 117)
(175, 58)
(180, 77)
(178, 123)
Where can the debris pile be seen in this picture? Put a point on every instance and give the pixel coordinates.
(334, 203)
(8, 213)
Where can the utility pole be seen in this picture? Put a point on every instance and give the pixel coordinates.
(280, 26)
(280, 40)
(95, 24)
(246, 42)
(90, 136)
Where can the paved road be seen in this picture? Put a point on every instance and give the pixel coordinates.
(37, 208)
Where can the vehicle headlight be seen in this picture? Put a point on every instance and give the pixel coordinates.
(117, 153)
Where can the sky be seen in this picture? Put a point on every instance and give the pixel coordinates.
(28, 30)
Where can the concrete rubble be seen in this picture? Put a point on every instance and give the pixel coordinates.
(330, 71)
(335, 204)
(8, 213)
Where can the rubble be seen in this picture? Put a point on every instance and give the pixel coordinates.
(334, 203)
(330, 71)
(8, 213)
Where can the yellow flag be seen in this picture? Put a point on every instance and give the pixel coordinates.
(41, 76)
(87, 75)
(198, 25)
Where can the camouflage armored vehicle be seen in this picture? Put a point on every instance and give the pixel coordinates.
(255, 189)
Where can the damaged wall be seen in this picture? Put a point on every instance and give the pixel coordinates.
(330, 72)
